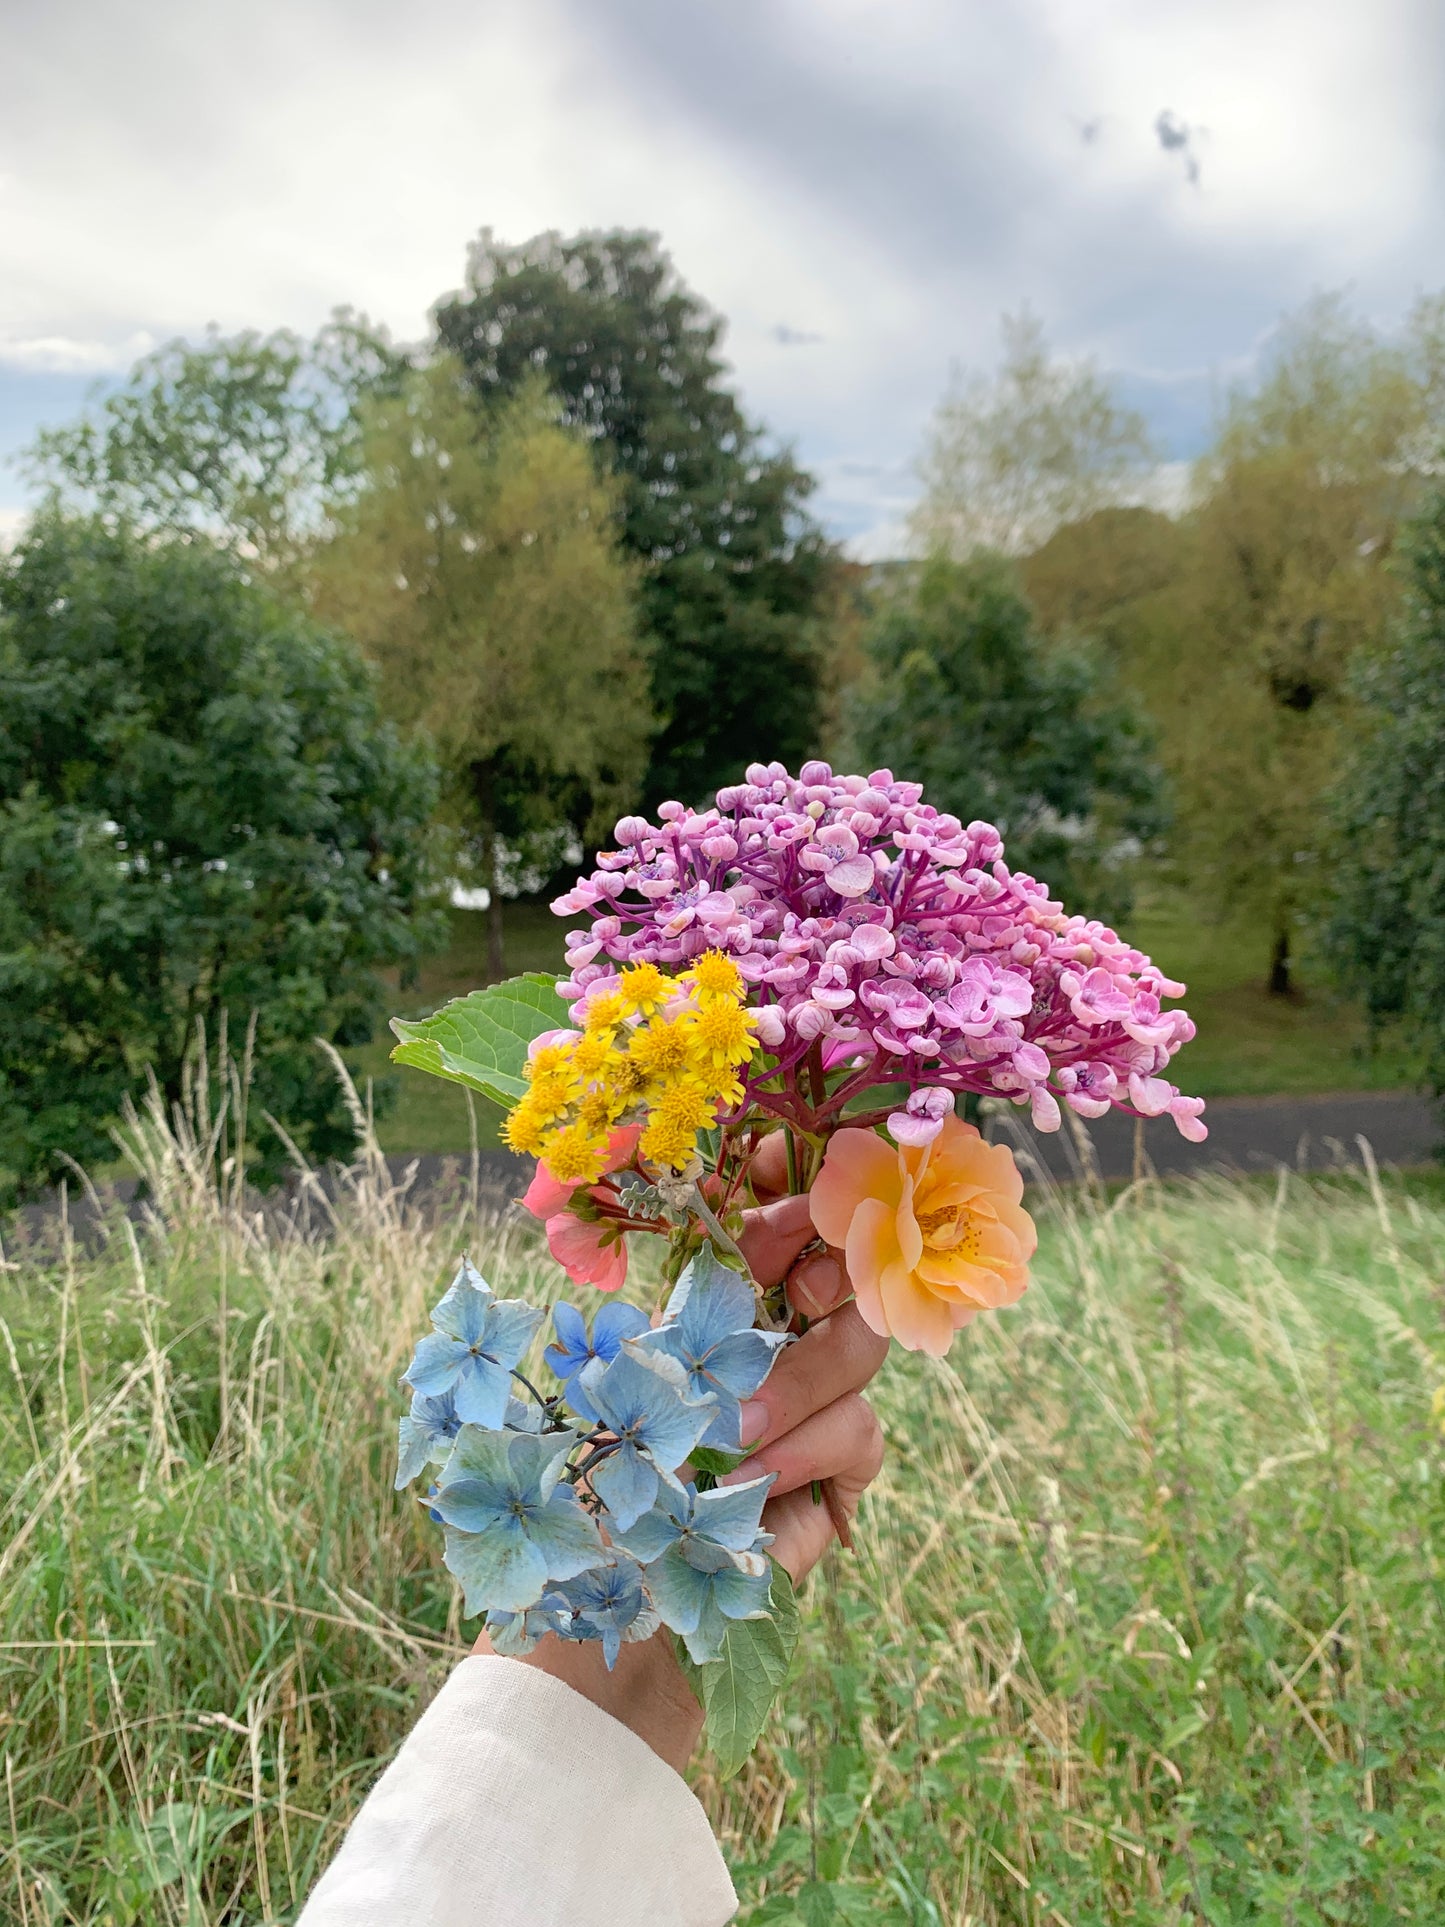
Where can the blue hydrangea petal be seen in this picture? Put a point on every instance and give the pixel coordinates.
(523, 1416)
(571, 1351)
(617, 1320)
(510, 1328)
(730, 1515)
(626, 1483)
(742, 1595)
(482, 1391)
(679, 1591)
(655, 1531)
(740, 1362)
(565, 1535)
(704, 1642)
(413, 1450)
(435, 1364)
(500, 1568)
(462, 1312)
(471, 1505)
(709, 1301)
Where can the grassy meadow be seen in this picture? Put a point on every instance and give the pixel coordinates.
(1145, 1623)
(1249, 1044)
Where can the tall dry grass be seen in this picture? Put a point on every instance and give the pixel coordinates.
(1147, 1620)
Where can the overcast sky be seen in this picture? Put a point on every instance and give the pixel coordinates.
(861, 186)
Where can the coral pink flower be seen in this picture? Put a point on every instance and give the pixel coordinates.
(590, 1251)
(934, 1233)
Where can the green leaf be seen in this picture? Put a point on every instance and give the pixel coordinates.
(481, 1040)
(737, 1690)
(707, 1458)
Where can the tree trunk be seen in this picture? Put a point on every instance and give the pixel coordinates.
(496, 960)
(1279, 977)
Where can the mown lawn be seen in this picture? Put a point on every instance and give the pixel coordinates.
(1249, 1043)
(1145, 1622)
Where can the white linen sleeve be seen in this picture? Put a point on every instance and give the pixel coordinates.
(515, 1802)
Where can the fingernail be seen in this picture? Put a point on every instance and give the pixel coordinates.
(819, 1281)
(752, 1421)
(739, 1475)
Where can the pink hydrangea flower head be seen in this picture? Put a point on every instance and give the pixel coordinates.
(882, 937)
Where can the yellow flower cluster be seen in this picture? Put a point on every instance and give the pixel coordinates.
(667, 1051)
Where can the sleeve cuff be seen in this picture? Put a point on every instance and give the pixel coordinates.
(516, 1800)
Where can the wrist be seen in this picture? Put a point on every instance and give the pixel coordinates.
(646, 1690)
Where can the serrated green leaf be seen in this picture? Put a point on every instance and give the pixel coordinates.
(737, 1690)
(481, 1040)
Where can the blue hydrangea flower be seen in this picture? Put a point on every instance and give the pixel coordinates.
(609, 1604)
(574, 1349)
(709, 1331)
(478, 1339)
(425, 1434)
(729, 1519)
(697, 1588)
(516, 1634)
(646, 1402)
(511, 1526)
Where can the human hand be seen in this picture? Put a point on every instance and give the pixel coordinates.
(809, 1422)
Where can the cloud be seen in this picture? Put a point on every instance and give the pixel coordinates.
(60, 355)
(896, 175)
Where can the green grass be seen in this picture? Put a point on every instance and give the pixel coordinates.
(1249, 1043)
(1144, 1625)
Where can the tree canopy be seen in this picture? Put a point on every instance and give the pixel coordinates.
(1388, 924)
(733, 571)
(201, 812)
(962, 695)
(479, 565)
(246, 438)
(1011, 458)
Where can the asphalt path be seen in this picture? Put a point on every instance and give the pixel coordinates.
(1246, 1134)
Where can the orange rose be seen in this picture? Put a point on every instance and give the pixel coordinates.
(933, 1233)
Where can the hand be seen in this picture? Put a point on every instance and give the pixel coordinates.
(810, 1421)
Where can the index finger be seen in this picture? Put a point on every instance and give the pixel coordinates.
(773, 1235)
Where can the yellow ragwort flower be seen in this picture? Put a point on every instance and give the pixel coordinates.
(722, 1034)
(551, 1093)
(664, 1142)
(661, 1048)
(576, 1155)
(605, 1013)
(525, 1130)
(714, 977)
(643, 989)
(593, 1056)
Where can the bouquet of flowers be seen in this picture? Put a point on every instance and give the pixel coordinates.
(826, 959)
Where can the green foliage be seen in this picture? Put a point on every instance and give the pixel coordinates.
(479, 566)
(1010, 460)
(246, 438)
(201, 817)
(481, 1040)
(734, 571)
(961, 696)
(1206, 1427)
(1388, 927)
(737, 1690)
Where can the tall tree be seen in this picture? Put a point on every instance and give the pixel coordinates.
(1041, 443)
(733, 570)
(479, 564)
(962, 695)
(248, 439)
(1284, 585)
(201, 814)
(1388, 924)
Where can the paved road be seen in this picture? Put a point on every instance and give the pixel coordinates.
(1245, 1134)
(1259, 1134)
